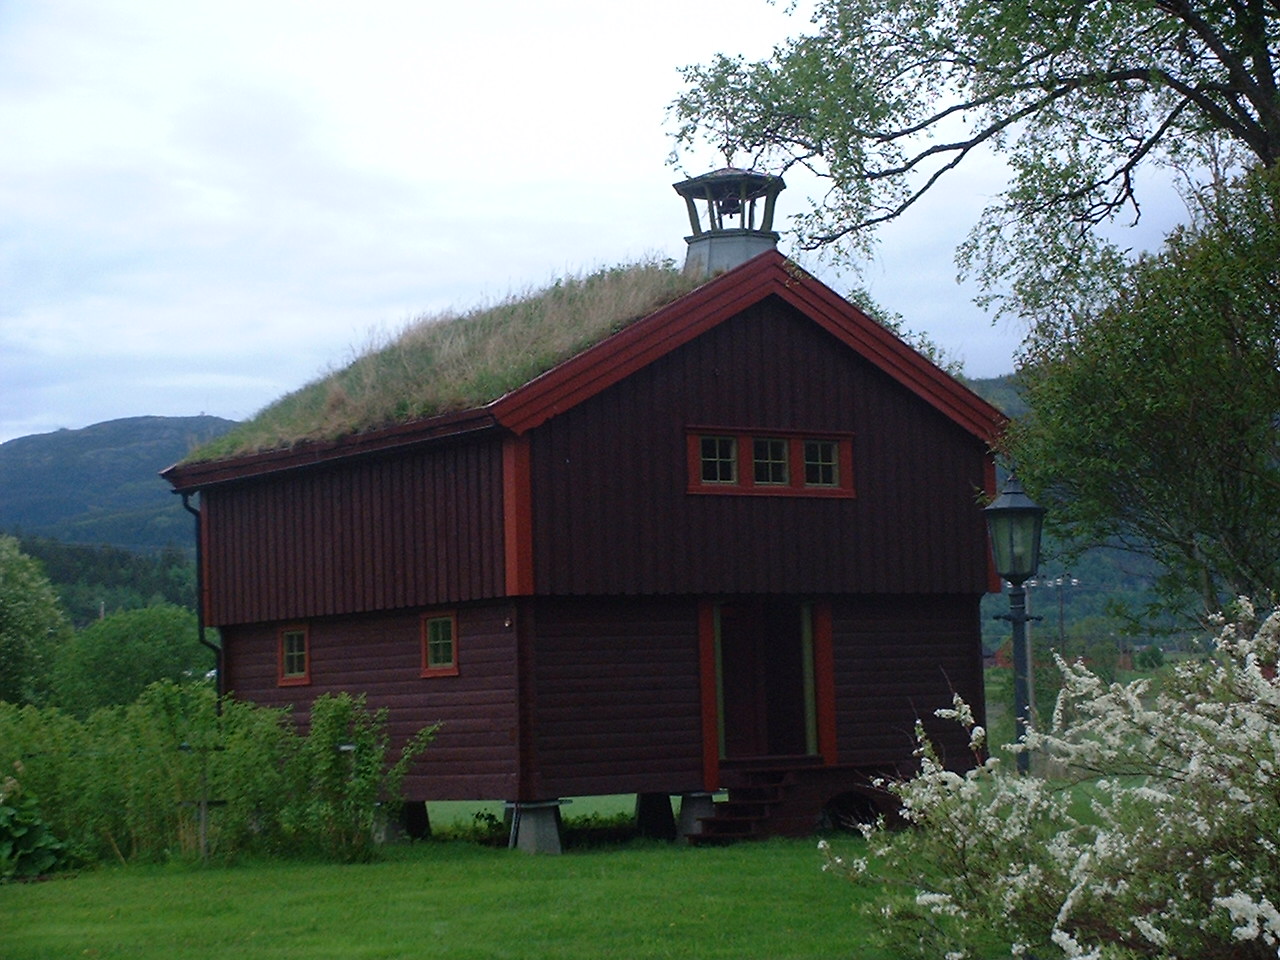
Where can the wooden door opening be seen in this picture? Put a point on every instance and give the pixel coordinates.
(765, 679)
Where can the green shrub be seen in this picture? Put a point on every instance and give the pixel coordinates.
(484, 828)
(27, 847)
(1149, 658)
(340, 776)
(169, 777)
(599, 829)
(1164, 849)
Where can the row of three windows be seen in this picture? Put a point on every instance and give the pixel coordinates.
(788, 464)
(438, 639)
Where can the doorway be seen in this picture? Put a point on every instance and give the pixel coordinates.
(765, 679)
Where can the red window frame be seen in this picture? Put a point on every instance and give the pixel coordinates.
(284, 679)
(451, 669)
(745, 483)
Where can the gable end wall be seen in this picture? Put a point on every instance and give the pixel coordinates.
(612, 514)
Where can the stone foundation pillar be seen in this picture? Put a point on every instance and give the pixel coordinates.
(654, 818)
(535, 826)
(693, 806)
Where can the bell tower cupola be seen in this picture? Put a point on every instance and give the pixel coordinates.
(723, 209)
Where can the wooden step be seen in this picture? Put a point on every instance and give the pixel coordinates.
(746, 812)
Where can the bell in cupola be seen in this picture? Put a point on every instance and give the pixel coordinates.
(723, 209)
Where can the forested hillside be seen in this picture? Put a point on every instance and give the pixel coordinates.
(1001, 392)
(92, 582)
(100, 485)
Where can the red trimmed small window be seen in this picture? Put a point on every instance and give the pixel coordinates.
(771, 463)
(440, 645)
(294, 656)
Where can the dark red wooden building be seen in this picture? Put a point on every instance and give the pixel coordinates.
(738, 542)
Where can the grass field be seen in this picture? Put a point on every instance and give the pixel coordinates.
(455, 900)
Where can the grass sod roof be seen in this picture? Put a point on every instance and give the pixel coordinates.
(457, 361)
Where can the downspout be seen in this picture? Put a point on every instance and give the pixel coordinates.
(200, 601)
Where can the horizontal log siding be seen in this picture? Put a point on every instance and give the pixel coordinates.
(418, 529)
(612, 514)
(897, 660)
(474, 756)
(616, 702)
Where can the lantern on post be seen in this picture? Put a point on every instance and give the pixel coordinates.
(1014, 522)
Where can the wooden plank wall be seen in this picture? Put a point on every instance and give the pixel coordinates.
(612, 515)
(475, 754)
(898, 659)
(417, 529)
(616, 697)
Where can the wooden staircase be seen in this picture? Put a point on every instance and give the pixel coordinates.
(782, 799)
(753, 809)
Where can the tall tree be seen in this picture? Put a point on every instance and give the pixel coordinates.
(1154, 419)
(884, 98)
(32, 625)
(114, 659)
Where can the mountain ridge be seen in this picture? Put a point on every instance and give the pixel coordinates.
(100, 484)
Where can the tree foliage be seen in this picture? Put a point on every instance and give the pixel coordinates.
(1164, 849)
(884, 99)
(1154, 419)
(32, 625)
(114, 659)
(93, 580)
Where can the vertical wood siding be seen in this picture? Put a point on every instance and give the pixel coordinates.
(612, 515)
(616, 697)
(897, 660)
(474, 756)
(377, 534)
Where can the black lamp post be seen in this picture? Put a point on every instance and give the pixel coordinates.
(1014, 521)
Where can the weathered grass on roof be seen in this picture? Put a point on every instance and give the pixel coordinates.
(448, 362)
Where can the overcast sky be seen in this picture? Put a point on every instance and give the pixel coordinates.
(206, 205)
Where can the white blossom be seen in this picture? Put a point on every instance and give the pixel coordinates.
(1183, 827)
(1150, 931)
(1256, 918)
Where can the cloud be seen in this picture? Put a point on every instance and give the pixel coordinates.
(204, 206)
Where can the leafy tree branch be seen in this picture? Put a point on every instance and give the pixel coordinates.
(1153, 415)
(884, 100)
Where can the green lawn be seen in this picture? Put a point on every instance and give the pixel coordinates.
(754, 900)
(449, 813)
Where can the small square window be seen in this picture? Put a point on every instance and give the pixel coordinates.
(294, 657)
(771, 460)
(821, 463)
(439, 645)
(719, 460)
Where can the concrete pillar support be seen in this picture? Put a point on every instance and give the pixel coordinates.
(693, 806)
(535, 826)
(654, 818)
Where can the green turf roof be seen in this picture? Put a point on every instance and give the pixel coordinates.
(457, 361)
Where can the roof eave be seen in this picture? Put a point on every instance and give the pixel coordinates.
(187, 477)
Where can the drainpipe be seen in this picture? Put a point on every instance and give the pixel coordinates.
(200, 631)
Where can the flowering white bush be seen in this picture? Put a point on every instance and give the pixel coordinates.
(1163, 840)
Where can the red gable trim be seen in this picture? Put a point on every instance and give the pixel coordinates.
(769, 274)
